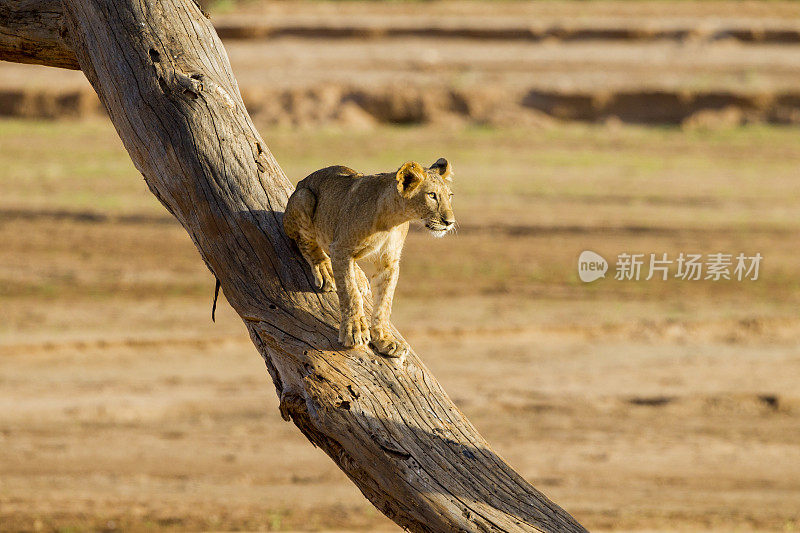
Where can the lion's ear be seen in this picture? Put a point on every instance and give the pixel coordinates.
(442, 166)
(409, 178)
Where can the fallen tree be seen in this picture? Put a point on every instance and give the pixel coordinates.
(166, 82)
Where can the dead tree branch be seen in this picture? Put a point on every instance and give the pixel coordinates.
(30, 32)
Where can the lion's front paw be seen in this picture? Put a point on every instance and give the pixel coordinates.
(387, 344)
(354, 331)
(323, 277)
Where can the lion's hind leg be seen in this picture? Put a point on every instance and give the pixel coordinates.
(298, 222)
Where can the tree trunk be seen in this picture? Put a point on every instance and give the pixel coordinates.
(165, 79)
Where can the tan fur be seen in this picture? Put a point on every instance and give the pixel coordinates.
(338, 216)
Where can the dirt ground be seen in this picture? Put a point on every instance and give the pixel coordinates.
(299, 78)
(638, 406)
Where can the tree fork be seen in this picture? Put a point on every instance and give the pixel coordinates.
(166, 82)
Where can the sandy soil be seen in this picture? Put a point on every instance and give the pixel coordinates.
(651, 12)
(292, 62)
(640, 406)
(489, 72)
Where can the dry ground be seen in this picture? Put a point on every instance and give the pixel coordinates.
(489, 72)
(291, 62)
(636, 405)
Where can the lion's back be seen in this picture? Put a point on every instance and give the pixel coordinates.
(325, 179)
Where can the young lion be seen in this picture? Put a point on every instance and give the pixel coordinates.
(352, 216)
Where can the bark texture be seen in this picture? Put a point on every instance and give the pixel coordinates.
(31, 32)
(167, 85)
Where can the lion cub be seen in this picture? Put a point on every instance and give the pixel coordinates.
(351, 216)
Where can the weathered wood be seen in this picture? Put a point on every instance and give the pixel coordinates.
(165, 79)
(30, 32)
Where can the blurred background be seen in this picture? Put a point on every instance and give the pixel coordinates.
(619, 127)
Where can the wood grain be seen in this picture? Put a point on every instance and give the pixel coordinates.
(31, 31)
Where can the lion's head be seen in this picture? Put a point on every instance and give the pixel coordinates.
(427, 194)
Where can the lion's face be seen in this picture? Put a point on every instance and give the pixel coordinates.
(435, 205)
(428, 194)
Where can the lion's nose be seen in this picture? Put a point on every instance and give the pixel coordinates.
(448, 223)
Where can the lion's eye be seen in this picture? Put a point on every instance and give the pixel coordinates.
(432, 195)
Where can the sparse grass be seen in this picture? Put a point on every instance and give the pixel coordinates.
(81, 165)
(653, 190)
